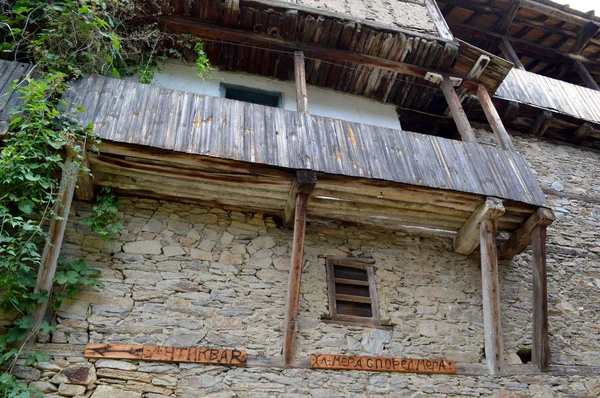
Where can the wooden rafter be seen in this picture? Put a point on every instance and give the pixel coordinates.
(588, 31)
(507, 18)
(581, 133)
(541, 124)
(521, 238)
(585, 75)
(511, 110)
(211, 31)
(509, 53)
(467, 239)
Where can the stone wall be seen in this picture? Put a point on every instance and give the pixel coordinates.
(407, 14)
(192, 276)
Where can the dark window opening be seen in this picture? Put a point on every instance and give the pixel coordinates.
(251, 95)
(351, 290)
(524, 354)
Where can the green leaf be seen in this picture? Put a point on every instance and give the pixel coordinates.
(26, 206)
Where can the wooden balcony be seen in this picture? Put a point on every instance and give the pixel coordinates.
(173, 144)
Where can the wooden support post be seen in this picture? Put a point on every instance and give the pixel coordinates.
(585, 75)
(494, 119)
(509, 53)
(541, 124)
(490, 290)
(467, 239)
(511, 110)
(293, 295)
(300, 76)
(521, 238)
(303, 183)
(55, 235)
(581, 133)
(85, 185)
(458, 114)
(540, 352)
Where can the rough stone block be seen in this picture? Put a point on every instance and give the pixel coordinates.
(111, 392)
(143, 247)
(70, 390)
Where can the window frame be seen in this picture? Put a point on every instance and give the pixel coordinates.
(363, 264)
(224, 86)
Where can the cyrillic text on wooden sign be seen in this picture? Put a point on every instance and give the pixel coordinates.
(382, 364)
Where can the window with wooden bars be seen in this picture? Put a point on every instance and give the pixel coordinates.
(352, 291)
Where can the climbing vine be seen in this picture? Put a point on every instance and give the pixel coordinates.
(63, 39)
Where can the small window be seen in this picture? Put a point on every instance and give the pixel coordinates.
(352, 292)
(252, 95)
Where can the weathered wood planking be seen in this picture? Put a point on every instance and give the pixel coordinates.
(382, 364)
(167, 354)
(11, 73)
(551, 94)
(227, 129)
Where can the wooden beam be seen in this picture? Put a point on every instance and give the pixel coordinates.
(541, 124)
(467, 239)
(521, 238)
(581, 133)
(511, 110)
(508, 16)
(207, 30)
(300, 77)
(293, 293)
(494, 119)
(509, 53)
(585, 75)
(304, 182)
(540, 352)
(85, 184)
(56, 233)
(490, 291)
(458, 113)
(588, 31)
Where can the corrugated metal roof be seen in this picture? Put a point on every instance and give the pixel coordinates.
(551, 94)
(133, 113)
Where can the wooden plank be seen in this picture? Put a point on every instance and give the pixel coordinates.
(458, 113)
(345, 281)
(56, 233)
(167, 354)
(521, 238)
(85, 184)
(382, 364)
(494, 119)
(541, 124)
(467, 239)
(353, 299)
(508, 16)
(509, 53)
(581, 133)
(540, 351)
(585, 75)
(490, 291)
(304, 183)
(115, 351)
(300, 77)
(293, 293)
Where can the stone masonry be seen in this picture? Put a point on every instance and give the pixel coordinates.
(185, 275)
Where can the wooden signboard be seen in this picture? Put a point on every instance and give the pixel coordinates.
(166, 354)
(381, 364)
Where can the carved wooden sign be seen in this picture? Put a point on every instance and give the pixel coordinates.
(166, 354)
(381, 364)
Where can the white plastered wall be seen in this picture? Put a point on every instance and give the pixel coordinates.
(322, 102)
